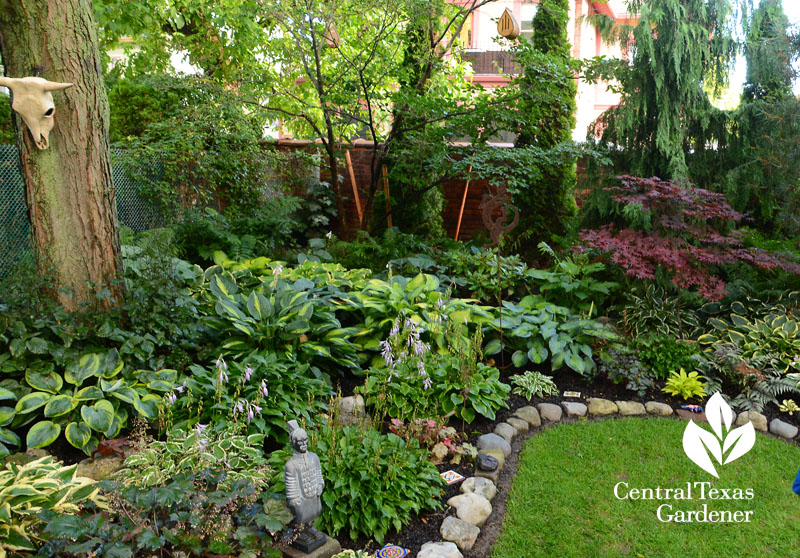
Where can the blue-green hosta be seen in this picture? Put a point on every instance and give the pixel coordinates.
(93, 398)
(536, 330)
(296, 320)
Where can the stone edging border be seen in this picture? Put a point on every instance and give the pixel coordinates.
(473, 506)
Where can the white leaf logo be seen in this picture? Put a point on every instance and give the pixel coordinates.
(698, 443)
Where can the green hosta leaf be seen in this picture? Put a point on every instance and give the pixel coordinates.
(90, 393)
(146, 408)
(7, 414)
(575, 362)
(229, 309)
(110, 364)
(4, 451)
(32, 401)
(519, 358)
(259, 306)
(223, 286)
(6, 394)
(78, 434)
(37, 345)
(126, 394)
(59, 405)
(493, 347)
(44, 381)
(468, 414)
(9, 438)
(86, 367)
(537, 353)
(43, 434)
(99, 416)
(110, 387)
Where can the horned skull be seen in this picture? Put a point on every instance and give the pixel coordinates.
(33, 100)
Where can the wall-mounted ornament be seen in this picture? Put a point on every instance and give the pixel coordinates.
(508, 26)
(332, 36)
(33, 100)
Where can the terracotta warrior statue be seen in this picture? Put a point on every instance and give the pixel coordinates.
(304, 485)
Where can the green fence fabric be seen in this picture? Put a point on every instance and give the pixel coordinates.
(133, 209)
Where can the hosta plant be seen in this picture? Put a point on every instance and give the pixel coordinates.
(93, 398)
(686, 386)
(535, 330)
(26, 490)
(532, 383)
(373, 482)
(652, 311)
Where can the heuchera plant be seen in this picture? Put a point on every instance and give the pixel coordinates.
(687, 230)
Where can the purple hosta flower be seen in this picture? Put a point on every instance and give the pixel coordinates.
(247, 373)
(440, 303)
(421, 348)
(180, 388)
(239, 406)
(222, 368)
(171, 399)
(264, 390)
(202, 444)
(386, 353)
(200, 429)
(421, 368)
(252, 411)
(426, 383)
(277, 271)
(395, 328)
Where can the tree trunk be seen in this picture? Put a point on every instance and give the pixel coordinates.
(69, 188)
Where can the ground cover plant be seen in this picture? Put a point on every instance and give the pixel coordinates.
(562, 501)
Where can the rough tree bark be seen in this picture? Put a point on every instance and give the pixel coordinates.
(69, 190)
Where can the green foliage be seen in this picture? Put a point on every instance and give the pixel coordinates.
(627, 367)
(373, 482)
(775, 338)
(684, 385)
(663, 353)
(26, 490)
(207, 144)
(536, 330)
(375, 253)
(214, 395)
(190, 513)
(652, 310)
(768, 52)
(415, 381)
(664, 112)
(6, 124)
(547, 90)
(532, 383)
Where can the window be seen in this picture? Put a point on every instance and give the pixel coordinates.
(466, 33)
(526, 20)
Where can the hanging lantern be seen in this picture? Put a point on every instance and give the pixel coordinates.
(508, 26)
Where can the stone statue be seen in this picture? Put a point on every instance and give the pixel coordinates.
(304, 485)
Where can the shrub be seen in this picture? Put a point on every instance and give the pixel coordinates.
(373, 482)
(626, 367)
(663, 354)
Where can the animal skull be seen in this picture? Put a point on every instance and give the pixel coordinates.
(34, 102)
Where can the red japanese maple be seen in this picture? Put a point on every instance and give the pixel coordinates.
(692, 230)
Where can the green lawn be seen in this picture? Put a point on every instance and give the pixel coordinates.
(562, 503)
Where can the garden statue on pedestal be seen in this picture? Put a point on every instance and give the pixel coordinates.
(304, 485)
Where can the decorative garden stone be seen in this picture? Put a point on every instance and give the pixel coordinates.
(529, 414)
(350, 410)
(782, 429)
(505, 431)
(439, 550)
(602, 407)
(658, 409)
(574, 409)
(33, 101)
(486, 462)
(460, 532)
(550, 412)
(471, 507)
(493, 441)
(630, 408)
(520, 425)
(304, 485)
(480, 486)
(759, 421)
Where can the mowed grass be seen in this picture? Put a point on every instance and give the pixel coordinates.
(562, 502)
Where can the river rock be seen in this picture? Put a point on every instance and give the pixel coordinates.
(550, 412)
(602, 407)
(480, 486)
(493, 441)
(486, 462)
(574, 409)
(350, 410)
(759, 421)
(658, 409)
(505, 431)
(460, 532)
(471, 507)
(630, 408)
(529, 414)
(520, 425)
(782, 429)
(100, 468)
(439, 550)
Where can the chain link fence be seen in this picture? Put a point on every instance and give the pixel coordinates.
(133, 209)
